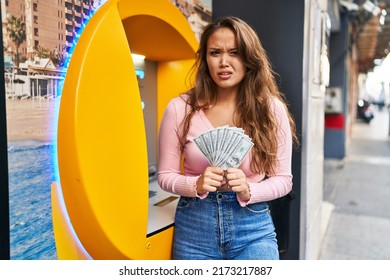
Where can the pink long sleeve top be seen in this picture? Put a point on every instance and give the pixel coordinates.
(172, 179)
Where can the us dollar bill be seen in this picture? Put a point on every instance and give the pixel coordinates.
(224, 146)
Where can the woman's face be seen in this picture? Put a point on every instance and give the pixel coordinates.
(225, 65)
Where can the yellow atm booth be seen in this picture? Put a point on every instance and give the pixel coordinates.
(107, 204)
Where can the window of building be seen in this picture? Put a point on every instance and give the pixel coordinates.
(36, 43)
(36, 32)
(36, 19)
(35, 7)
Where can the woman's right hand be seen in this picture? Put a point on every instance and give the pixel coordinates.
(210, 180)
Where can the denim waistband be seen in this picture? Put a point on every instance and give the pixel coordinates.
(222, 196)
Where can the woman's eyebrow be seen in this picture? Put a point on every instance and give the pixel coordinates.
(218, 48)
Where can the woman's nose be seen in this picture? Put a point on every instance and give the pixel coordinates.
(224, 60)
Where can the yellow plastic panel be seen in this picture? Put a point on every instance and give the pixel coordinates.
(102, 151)
(156, 39)
(68, 245)
(102, 144)
(173, 79)
(146, 23)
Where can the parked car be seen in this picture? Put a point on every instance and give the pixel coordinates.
(364, 110)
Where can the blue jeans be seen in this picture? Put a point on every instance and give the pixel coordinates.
(218, 228)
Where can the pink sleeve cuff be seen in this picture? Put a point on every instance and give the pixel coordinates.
(244, 203)
(203, 196)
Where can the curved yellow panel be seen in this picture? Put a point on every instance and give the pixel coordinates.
(68, 245)
(102, 151)
(158, 30)
(102, 144)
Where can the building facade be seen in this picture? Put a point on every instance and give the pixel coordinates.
(50, 25)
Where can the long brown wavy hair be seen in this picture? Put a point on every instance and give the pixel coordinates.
(256, 92)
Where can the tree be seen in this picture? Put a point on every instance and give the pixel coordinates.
(59, 57)
(42, 52)
(16, 29)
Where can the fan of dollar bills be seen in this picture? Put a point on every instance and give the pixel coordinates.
(224, 146)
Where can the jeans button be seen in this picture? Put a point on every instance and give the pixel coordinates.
(219, 196)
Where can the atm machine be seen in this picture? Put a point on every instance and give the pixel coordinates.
(162, 205)
(107, 203)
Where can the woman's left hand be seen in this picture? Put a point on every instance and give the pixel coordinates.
(236, 180)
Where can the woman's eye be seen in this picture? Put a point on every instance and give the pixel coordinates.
(234, 53)
(214, 52)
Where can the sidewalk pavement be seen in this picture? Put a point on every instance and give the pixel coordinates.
(357, 189)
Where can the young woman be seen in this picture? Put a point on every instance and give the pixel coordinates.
(223, 214)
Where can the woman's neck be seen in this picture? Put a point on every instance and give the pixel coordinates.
(226, 96)
(223, 112)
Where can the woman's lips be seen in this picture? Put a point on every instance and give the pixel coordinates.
(224, 75)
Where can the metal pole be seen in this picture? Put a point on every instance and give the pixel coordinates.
(4, 192)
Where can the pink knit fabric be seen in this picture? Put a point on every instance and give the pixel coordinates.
(173, 180)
